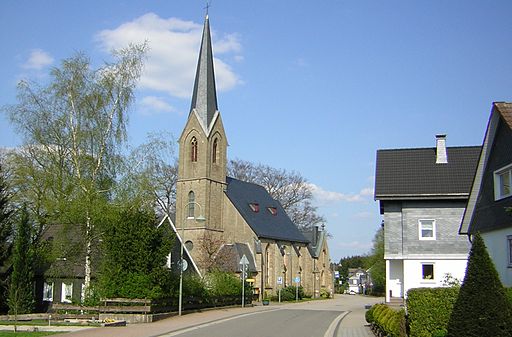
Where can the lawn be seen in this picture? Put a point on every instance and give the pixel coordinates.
(53, 322)
(26, 334)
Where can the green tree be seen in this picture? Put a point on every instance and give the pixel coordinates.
(376, 264)
(482, 307)
(21, 294)
(151, 173)
(356, 261)
(6, 232)
(135, 252)
(73, 129)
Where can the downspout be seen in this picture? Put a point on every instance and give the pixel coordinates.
(264, 268)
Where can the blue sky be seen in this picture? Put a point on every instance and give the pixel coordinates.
(311, 86)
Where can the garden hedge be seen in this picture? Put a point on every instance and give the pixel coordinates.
(429, 310)
(386, 321)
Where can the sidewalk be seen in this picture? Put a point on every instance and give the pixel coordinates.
(354, 324)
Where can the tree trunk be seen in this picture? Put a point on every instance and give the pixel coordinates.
(88, 249)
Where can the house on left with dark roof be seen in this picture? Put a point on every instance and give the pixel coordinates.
(62, 280)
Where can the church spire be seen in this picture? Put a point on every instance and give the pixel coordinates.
(204, 96)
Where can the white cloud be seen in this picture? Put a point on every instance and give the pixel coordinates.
(172, 57)
(37, 60)
(150, 105)
(329, 196)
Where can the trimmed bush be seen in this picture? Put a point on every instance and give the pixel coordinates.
(288, 294)
(385, 320)
(509, 295)
(429, 310)
(482, 307)
(369, 314)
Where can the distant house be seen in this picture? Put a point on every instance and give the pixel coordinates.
(491, 194)
(357, 278)
(423, 194)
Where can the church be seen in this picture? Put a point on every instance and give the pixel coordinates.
(221, 219)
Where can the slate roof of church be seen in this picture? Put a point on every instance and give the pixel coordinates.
(315, 249)
(237, 250)
(414, 174)
(266, 225)
(204, 96)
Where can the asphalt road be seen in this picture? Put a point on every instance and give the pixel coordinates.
(282, 322)
(342, 316)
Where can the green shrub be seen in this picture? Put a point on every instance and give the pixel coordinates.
(369, 315)
(324, 293)
(223, 284)
(386, 320)
(509, 294)
(193, 286)
(482, 307)
(429, 310)
(288, 294)
(378, 311)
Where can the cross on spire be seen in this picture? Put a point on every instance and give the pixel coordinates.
(208, 5)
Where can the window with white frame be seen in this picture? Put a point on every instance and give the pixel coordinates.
(48, 291)
(67, 292)
(509, 248)
(427, 229)
(502, 182)
(427, 270)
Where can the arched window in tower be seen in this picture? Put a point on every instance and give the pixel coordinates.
(191, 204)
(193, 149)
(215, 151)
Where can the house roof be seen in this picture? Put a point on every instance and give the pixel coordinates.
(69, 244)
(315, 246)
(414, 174)
(505, 110)
(489, 217)
(277, 226)
(236, 251)
(204, 96)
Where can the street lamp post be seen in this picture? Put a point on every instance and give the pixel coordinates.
(200, 218)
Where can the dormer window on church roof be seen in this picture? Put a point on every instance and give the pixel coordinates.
(272, 210)
(255, 207)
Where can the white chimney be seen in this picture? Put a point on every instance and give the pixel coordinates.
(441, 155)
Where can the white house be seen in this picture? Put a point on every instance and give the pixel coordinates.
(422, 194)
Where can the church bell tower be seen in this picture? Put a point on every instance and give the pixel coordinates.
(202, 156)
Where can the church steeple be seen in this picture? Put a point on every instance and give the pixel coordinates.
(204, 97)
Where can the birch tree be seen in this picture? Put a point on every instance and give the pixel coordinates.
(150, 174)
(6, 236)
(73, 129)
